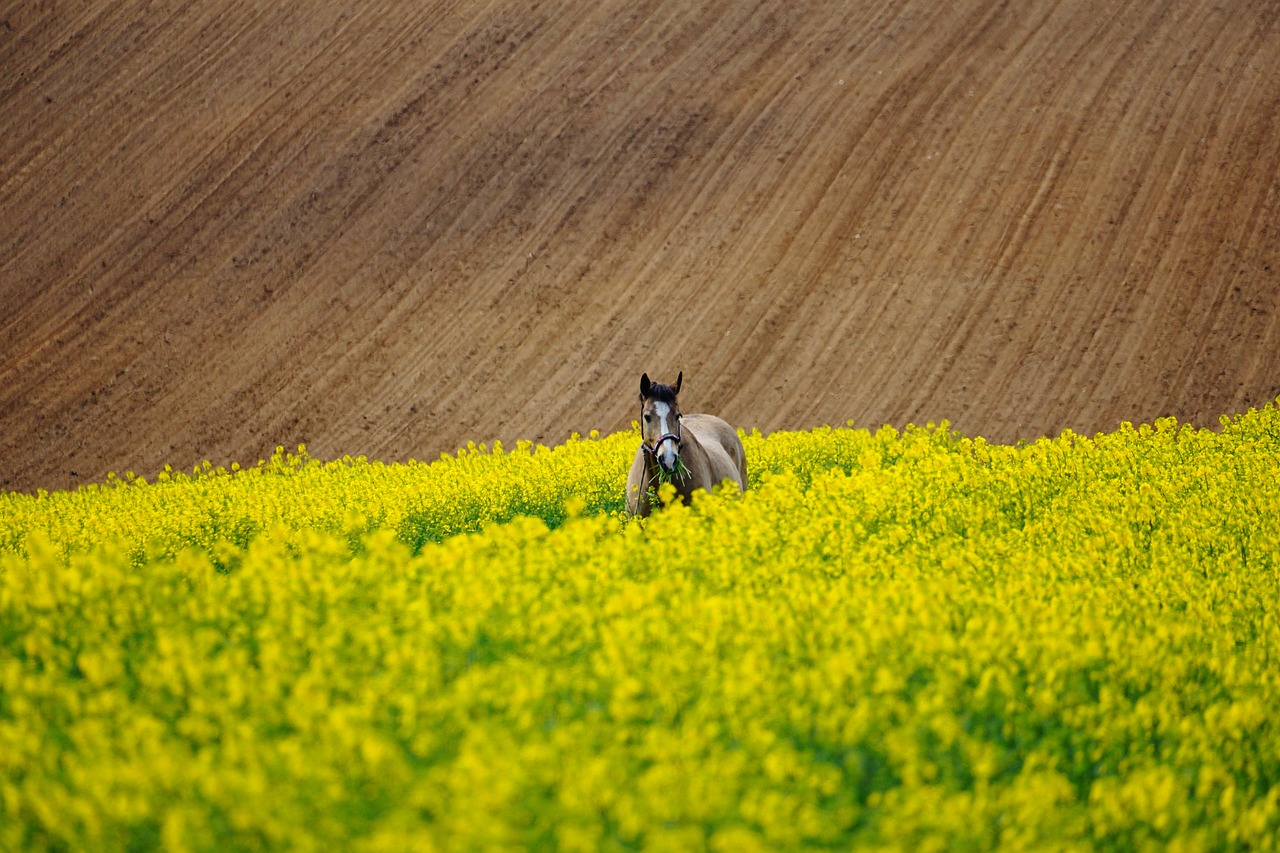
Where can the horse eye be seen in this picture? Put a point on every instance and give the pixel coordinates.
(648, 419)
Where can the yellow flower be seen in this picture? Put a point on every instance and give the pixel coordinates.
(895, 640)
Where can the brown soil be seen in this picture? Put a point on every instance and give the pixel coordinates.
(390, 227)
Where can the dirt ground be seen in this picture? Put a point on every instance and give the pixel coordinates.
(389, 227)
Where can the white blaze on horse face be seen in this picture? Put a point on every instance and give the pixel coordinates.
(668, 453)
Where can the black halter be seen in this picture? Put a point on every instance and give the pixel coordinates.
(671, 436)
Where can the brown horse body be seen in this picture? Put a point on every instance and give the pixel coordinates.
(691, 452)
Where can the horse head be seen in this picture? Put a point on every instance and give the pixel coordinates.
(660, 422)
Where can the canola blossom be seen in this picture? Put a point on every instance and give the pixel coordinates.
(893, 640)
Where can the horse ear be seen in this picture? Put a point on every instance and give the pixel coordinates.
(645, 386)
(679, 380)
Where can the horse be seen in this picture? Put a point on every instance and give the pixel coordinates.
(691, 452)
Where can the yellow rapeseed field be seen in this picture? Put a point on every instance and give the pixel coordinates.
(894, 640)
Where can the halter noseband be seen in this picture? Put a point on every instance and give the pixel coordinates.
(671, 436)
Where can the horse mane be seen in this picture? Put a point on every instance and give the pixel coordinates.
(662, 393)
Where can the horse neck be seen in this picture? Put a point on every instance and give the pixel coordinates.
(692, 446)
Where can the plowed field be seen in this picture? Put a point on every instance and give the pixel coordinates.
(388, 228)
